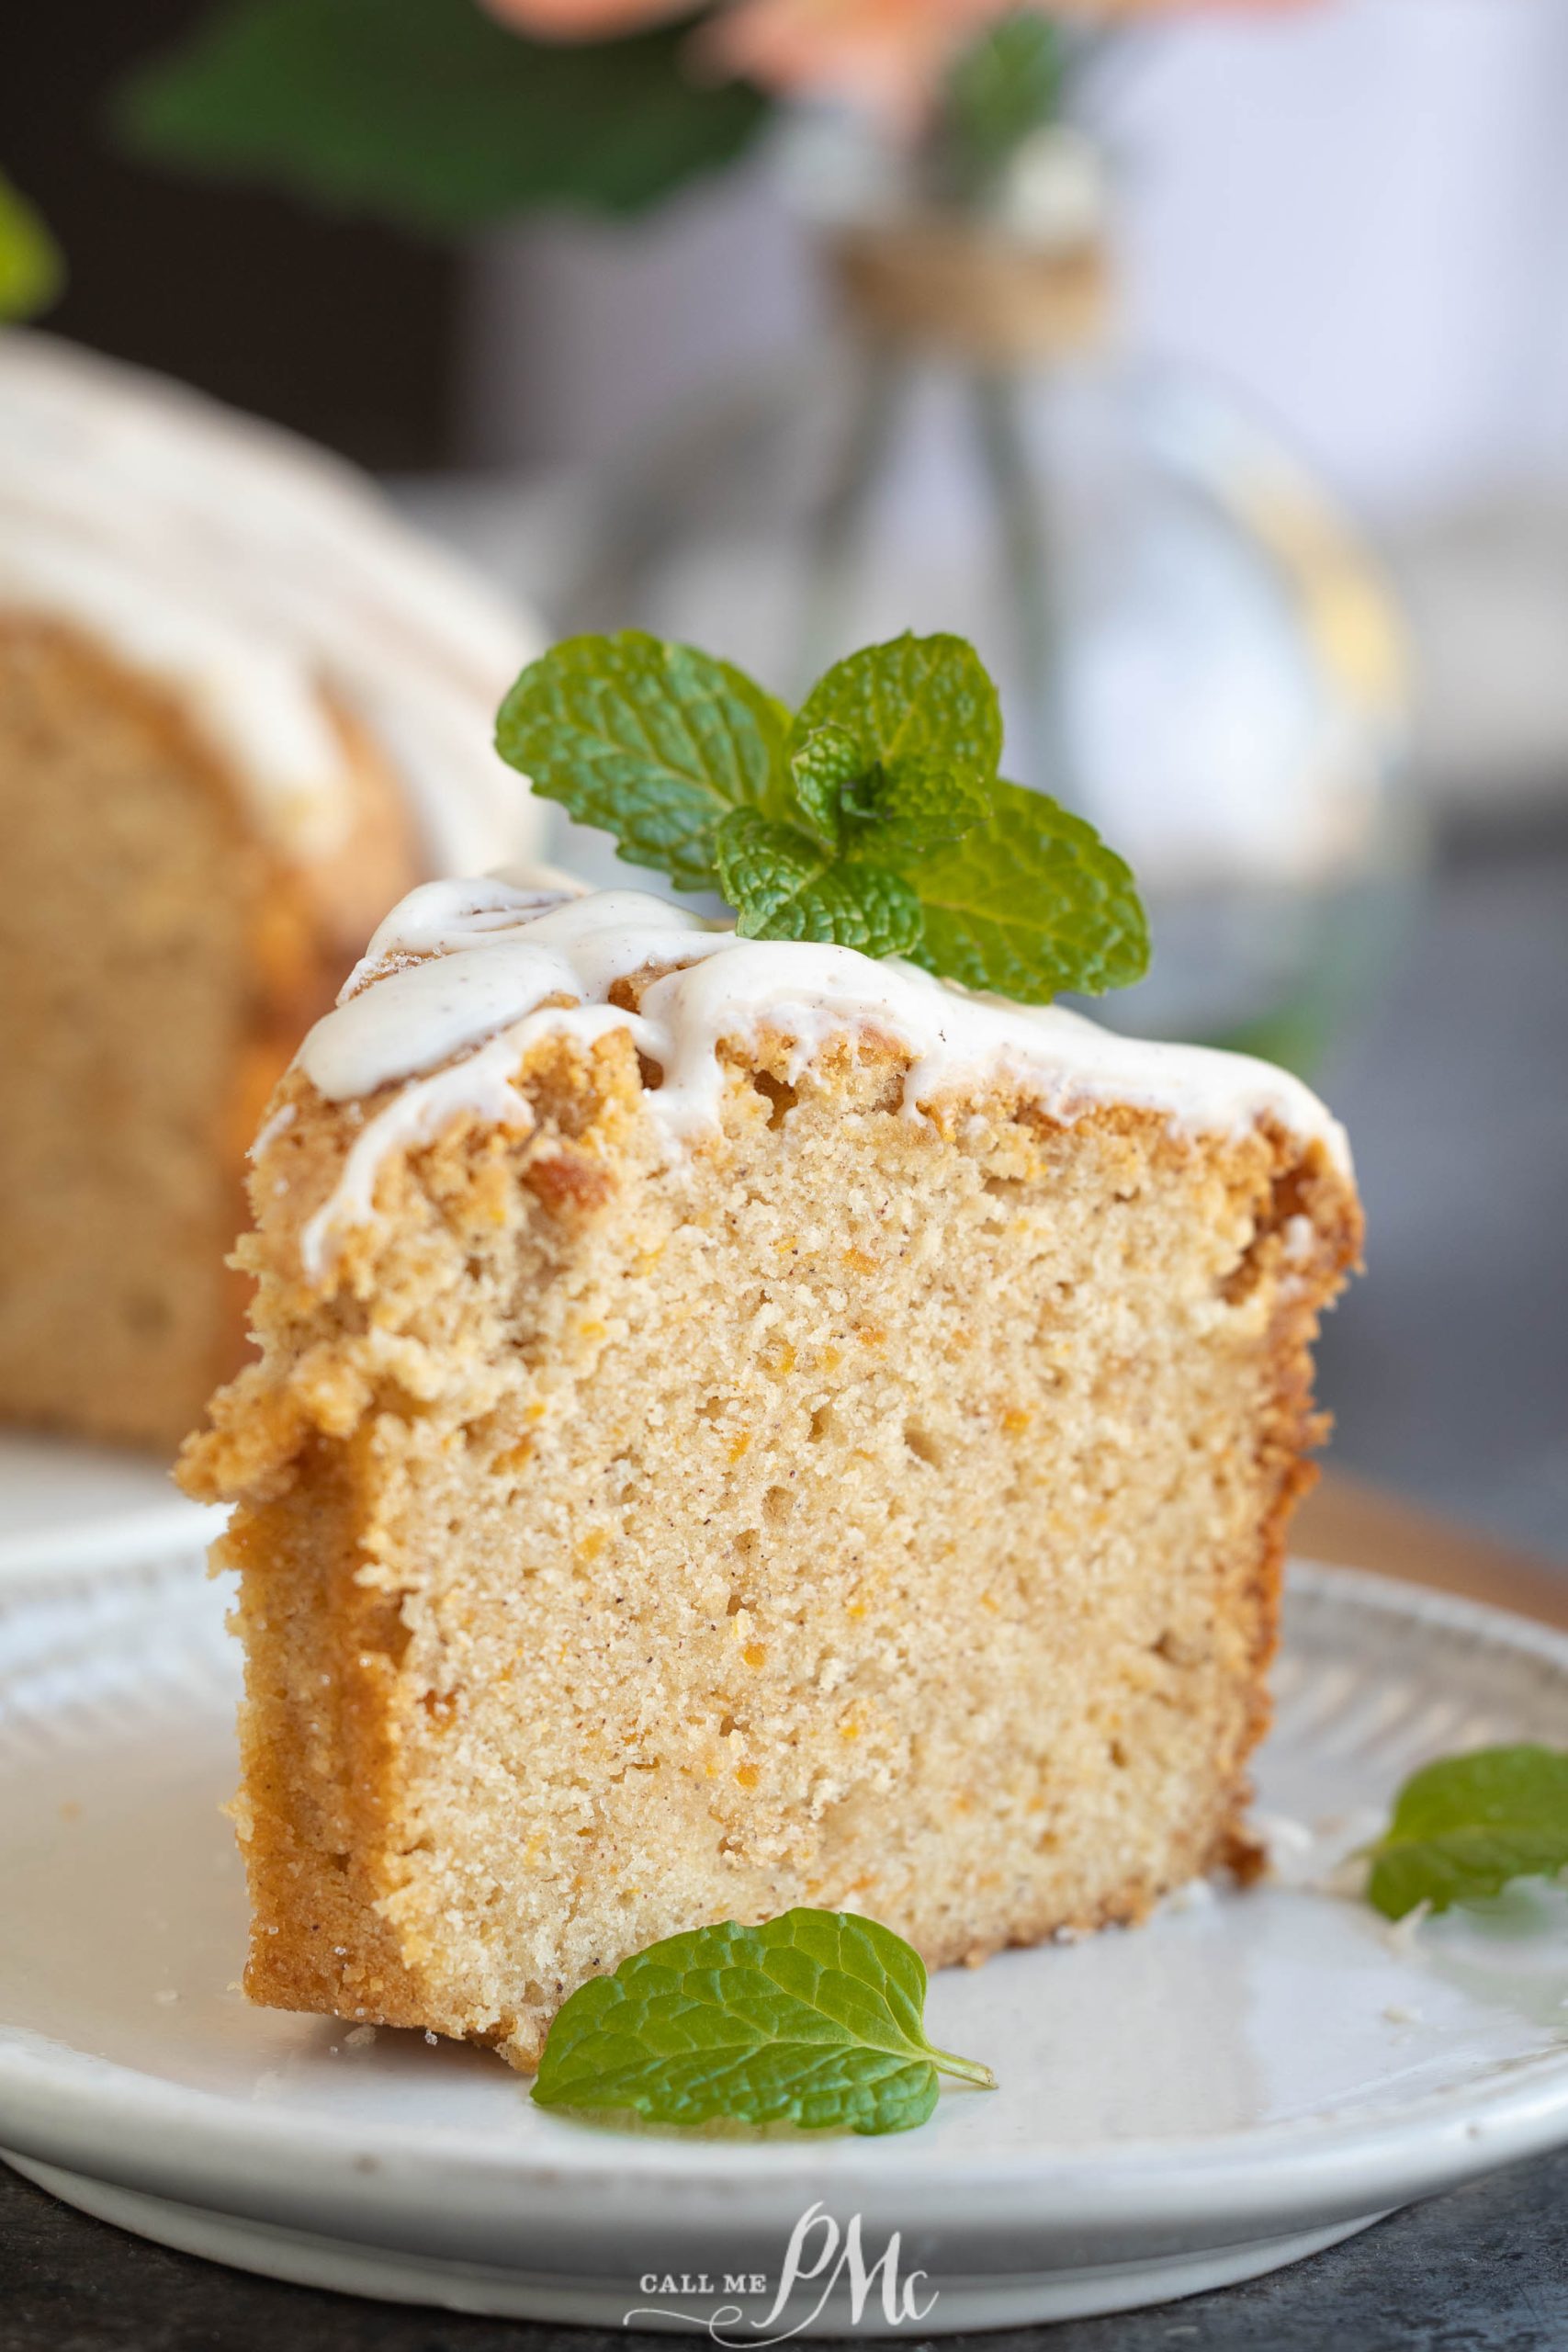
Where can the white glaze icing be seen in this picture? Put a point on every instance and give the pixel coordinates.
(249, 572)
(464, 975)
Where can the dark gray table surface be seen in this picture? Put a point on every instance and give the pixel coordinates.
(1448, 1368)
(1483, 2269)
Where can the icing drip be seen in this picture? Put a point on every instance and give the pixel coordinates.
(250, 573)
(482, 969)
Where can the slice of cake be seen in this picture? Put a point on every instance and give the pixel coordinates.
(242, 711)
(741, 1424)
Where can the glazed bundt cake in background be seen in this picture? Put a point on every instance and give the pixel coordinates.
(739, 1424)
(242, 709)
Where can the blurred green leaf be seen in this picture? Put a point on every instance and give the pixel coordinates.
(431, 114)
(1005, 85)
(1297, 1035)
(31, 270)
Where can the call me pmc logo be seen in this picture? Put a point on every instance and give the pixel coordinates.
(820, 2255)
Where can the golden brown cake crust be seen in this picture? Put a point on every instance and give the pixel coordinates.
(907, 1501)
(159, 963)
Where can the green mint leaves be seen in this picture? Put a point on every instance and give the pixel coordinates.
(873, 819)
(1465, 1826)
(812, 2019)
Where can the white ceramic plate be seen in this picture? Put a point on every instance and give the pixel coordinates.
(76, 1508)
(1245, 2079)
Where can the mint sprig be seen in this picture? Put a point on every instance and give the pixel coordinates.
(813, 2019)
(875, 819)
(1463, 1827)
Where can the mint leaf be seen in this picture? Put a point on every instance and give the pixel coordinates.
(1028, 904)
(823, 763)
(1465, 1826)
(783, 884)
(655, 742)
(918, 806)
(431, 113)
(31, 272)
(916, 699)
(814, 2019)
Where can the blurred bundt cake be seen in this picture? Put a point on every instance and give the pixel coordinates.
(242, 710)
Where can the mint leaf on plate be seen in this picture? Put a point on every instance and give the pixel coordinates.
(655, 742)
(783, 884)
(1463, 1827)
(812, 2019)
(925, 699)
(1028, 904)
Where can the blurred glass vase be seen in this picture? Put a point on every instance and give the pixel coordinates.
(1192, 649)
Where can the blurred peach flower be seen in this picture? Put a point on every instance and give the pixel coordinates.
(891, 54)
(888, 53)
(584, 19)
(1101, 12)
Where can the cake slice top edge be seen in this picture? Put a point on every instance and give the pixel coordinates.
(464, 977)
